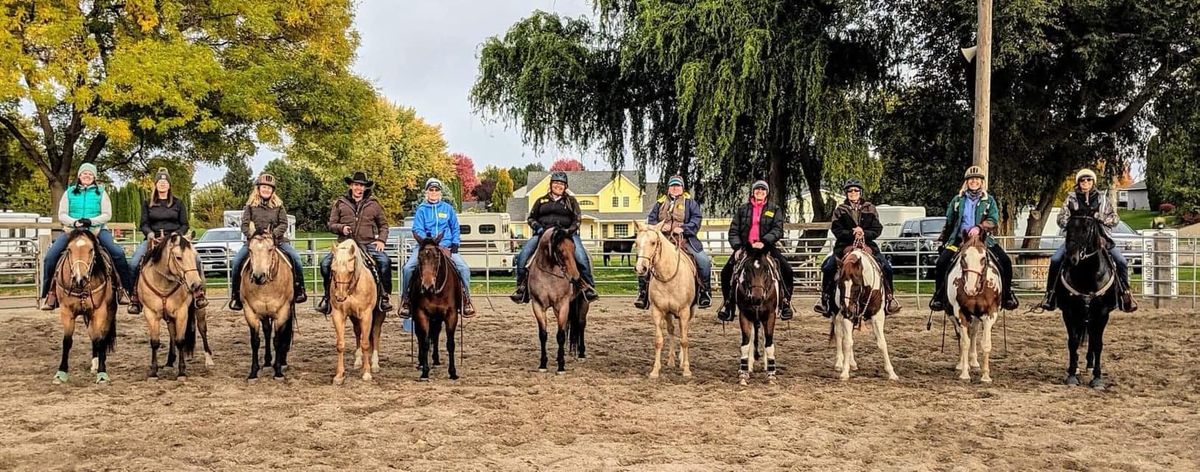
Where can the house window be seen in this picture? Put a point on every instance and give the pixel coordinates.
(621, 230)
(626, 202)
(464, 229)
(616, 201)
(1123, 196)
(487, 229)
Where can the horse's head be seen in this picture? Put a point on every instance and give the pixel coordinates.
(429, 262)
(857, 280)
(82, 256)
(344, 267)
(181, 261)
(262, 254)
(973, 257)
(649, 239)
(1083, 237)
(757, 277)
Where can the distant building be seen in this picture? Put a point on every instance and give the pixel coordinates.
(1134, 197)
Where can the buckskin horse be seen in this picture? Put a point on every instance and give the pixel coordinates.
(88, 292)
(859, 298)
(552, 287)
(1088, 290)
(757, 298)
(168, 279)
(353, 296)
(267, 302)
(436, 297)
(672, 290)
(974, 291)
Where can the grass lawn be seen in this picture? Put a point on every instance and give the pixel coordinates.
(1138, 219)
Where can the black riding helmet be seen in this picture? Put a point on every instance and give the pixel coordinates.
(852, 183)
(559, 176)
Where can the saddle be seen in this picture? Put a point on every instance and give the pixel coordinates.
(110, 269)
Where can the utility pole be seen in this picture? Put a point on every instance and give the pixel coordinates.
(983, 85)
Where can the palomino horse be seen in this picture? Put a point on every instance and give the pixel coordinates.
(87, 293)
(354, 296)
(168, 279)
(672, 292)
(552, 287)
(859, 298)
(436, 297)
(267, 302)
(757, 296)
(1088, 290)
(974, 289)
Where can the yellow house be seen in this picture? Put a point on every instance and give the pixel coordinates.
(610, 203)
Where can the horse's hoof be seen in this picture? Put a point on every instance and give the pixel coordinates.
(844, 377)
(965, 378)
(687, 373)
(453, 376)
(896, 377)
(208, 360)
(181, 378)
(152, 379)
(95, 365)
(561, 372)
(251, 381)
(985, 379)
(366, 377)
(543, 370)
(61, 378)
(102, 378)
(375, 367)
(742, 382)
(279, 378)
(1071, 380)
(1098, 384)
(422, 379)
(357, 365)
(654, 375)
(339, 380)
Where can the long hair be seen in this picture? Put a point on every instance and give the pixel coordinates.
(255, 200)
(155, 201)
(983, 191)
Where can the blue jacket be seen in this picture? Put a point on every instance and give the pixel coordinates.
(430, 219)
(692, 219)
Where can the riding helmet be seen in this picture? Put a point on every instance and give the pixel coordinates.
(852, 183)
(974, 171)
(559, 176)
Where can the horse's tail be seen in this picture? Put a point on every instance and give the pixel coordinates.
(110, 337)
(575, 323)
(189, 333)
(832, 320)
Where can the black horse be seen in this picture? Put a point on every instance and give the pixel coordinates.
(1088, 287)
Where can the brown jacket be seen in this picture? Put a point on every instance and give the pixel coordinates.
(266, 216)
(365, 218)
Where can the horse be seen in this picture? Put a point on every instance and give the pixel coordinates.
(672, 291)
(267, 297)
(168, 279)
(354, 296)
(622, 246)
(859, 298)
(757, 297)
(552, 287)
(88, 292)
(974, 289)
(1088, 289)
(436, 297)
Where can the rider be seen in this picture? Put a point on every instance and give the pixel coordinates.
(162, 215)
(265, 209)
(435, 215)
(854, 219)
(85, 205)
(1086, 200)
(558, 209)
(759, 225)
(681, 217)
(972, 212)
(359, 216)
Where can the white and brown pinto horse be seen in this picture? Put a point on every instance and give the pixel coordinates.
(758, 296)
(168, 280)
(672, 290)
(85, 287)
(974, 290)
(860, 288)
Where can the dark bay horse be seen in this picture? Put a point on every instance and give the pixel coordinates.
(84, 286)
(1088, 289)
(757, 297)
(553, 287)
(436, 296)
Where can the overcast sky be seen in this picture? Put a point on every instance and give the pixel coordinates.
(423, 54)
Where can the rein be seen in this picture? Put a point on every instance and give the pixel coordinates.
(170, 276)
(83, 294)
(654, 260)
(350, 284)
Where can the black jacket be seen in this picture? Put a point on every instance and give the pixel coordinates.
(770, 226)
(562, 214)
(843, 225)
(167, 217)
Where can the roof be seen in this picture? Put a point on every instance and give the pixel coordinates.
(1139, 185)
(518, 209)
(586, 182)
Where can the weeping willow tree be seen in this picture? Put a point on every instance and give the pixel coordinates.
(721, 92)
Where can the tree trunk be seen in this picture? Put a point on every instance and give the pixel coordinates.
(1041, 213)
(777, 179)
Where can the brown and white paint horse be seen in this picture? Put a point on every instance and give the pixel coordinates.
(88, 292)
(860, 298)
(758, 296)
(974, 291)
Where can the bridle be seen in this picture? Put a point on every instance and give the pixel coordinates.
(272, 269)
(178, 276)
(349, 284)
(440, 270)
(657, 252)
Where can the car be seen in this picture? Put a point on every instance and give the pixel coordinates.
(216, 248)
(1128, 240)
(914, 233)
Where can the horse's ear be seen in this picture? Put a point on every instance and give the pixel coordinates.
(658, 227)
(188, 237)
(438, 239)
(639, 225)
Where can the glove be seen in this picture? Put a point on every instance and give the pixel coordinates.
(974, 231)
(453, 249)
(83, 223)
(538, 230)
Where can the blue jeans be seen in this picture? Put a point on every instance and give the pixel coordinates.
(139, 253)
(1117, 257)
(383, 266)
(114, 250)
(410, 266)
(581, 258)
(244, 252)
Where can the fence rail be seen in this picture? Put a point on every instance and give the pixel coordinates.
(1166, 266)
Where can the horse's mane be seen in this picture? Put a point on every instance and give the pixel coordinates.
(358, 256)
(551, 244)
(100, 263)
(156, 253)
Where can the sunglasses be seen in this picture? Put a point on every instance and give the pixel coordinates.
(1086, 179)
(854, 190)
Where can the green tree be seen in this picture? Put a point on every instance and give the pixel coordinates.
(1172, 173)
(210, 202)
(19, 190)
(306, 194)
(719, 92)
(237, 176)
(119, 81)
(520, 175)
(503, 192)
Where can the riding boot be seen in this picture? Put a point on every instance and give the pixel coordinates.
(589, 293)
(1128, 304)
(51, 301)
(785, 307)
(468, 310)
(891, 305)
(726, 312)
(705, 295)
(323, 306)
(826, 306)
(521, 295)
(235, 293)
(122, 296)
(1050, 302)
(643, 296)
(198, 298)
(298, 295)
(385, 303)
(135, 305)
(938, 302)
(1010, 299)
(405, 310)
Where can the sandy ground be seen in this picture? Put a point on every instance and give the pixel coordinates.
(605, 414)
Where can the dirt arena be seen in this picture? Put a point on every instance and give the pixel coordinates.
(605, 414)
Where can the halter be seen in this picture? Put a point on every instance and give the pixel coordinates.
(441, 269)
(982, 272)
(654, 259)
